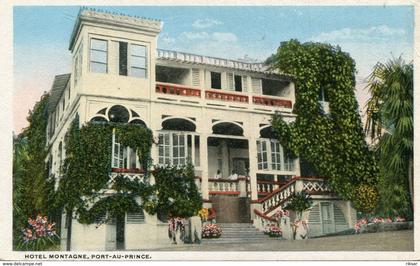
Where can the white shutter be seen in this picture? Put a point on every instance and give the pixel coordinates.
(195, 77)
(244, 83)
(135, 218)
(256, 86)
(230, 82)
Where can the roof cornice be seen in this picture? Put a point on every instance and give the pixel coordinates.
(113, 19)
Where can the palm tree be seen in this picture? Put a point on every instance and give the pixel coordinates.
(390, 120)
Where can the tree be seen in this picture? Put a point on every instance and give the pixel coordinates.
(31, 187)
(178, 194)
(332, 143)
(390, 125)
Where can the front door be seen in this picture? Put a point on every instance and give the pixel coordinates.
(327, 218)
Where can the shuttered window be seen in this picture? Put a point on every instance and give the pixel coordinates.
(229, 81)
(339, 216)
(256, 86)
(135, 218)
(315, 215)
(244, 83)
(195, 77)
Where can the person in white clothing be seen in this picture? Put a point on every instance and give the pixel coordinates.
(233, 176)
(218, 175)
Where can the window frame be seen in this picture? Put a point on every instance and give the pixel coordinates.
(287, 164)
(219, 77)
(97, 50)
(121, 156)
(166, 154)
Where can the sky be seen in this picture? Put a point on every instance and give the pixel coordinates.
(370, 34)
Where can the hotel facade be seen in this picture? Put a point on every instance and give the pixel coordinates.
(212, 112)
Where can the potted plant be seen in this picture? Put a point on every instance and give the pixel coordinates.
(297, 205)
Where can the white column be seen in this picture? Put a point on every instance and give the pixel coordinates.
(204, 167)
(253, 167)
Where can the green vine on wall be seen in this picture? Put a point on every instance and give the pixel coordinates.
(87, 168)
(332, 143)
(86, 188)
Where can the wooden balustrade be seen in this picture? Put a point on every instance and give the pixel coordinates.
(266, 187)
(225, 96)
(131, 174)
(268, 101)
(177, 90)
(223, 187)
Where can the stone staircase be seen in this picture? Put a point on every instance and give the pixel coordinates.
(237, 233)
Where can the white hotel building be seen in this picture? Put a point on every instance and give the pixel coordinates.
(210, 111)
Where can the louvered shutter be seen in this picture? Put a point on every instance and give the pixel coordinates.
(256, 86)
(339, 216)
(195, 77)
(135, 218)
(315, 215)
(229, 81)
(244, 83)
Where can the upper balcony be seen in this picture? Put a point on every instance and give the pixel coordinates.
(195, 79)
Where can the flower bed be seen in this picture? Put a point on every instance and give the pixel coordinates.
(39, 235)
(378, 224)
(272, 231)
(211, 231)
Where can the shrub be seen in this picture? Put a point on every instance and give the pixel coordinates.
(365, 198)
(39, 235)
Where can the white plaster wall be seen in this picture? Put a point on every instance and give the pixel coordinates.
(88, 237)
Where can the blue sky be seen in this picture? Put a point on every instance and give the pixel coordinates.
(369, 33)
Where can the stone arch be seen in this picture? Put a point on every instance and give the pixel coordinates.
(228, 128)
(267, 132)
(178, 123)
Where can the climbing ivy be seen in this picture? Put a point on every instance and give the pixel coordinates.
(177, 193)
(333, 143)
(87, 166)
(86, 187)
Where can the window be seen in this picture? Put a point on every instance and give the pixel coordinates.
(276, 155)
(238, 83)
(123, 47)
(178, 148)
(135, 217)
(98, 56)
(138, 65)
(132, 60)
(279, 159)
(262, 155)
(123, 157)
(216, 80)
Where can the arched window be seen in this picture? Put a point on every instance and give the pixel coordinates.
(118, 114)
(228, 128)
(178, 144)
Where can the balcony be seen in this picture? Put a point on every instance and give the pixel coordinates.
(222, 98)
(172, 89)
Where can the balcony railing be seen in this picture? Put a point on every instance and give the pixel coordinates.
(269, 101)
(177, 90)
(222, 96)
(226, 96)
(131, 174)
(224, 187)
